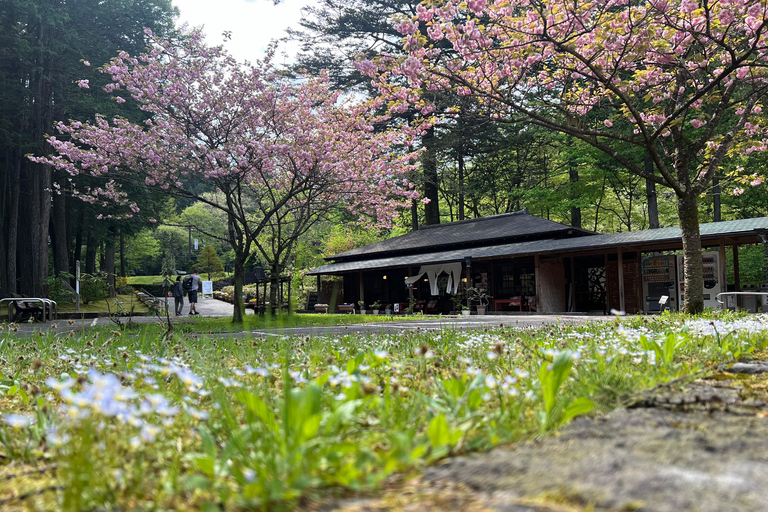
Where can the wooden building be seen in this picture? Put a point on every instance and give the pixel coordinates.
(525, 263)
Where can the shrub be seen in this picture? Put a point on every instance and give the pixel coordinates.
(93, 287)
(57, 289)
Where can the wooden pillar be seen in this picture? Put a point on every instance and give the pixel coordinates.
(723, 270)
(622, 302)
(736, 277)
(361, 288)
(607, 294)
(318, 289)
(290, 308)
(573, 285)
(537, 279)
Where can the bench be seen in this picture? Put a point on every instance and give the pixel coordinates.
(29, 307)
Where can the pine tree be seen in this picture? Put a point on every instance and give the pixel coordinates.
(209, 262)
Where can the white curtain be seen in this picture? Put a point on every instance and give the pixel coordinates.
(433, 272)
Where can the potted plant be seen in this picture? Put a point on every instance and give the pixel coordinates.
(375, 307)
(361, 303)
(321, 308)
(459, 306)
(481, 296)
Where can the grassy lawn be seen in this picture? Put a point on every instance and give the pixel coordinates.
(110, 420)
(150, 280)
(144, 280)
(129, 301)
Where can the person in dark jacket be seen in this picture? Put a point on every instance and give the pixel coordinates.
(178, 296)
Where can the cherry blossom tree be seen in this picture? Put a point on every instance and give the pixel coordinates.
(260, 140)
(682, 80)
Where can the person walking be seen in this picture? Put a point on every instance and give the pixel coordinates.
(196, 285)
(178, 296)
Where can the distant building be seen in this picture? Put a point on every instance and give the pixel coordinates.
(526, 263)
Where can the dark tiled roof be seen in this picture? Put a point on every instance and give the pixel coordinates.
(710, 231)
(485, 230)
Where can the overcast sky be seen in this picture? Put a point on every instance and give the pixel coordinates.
(253, 23)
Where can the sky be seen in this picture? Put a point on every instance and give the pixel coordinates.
(253, 23)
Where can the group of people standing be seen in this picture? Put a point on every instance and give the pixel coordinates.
(194, 286)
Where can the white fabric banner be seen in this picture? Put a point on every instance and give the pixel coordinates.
(433, 272)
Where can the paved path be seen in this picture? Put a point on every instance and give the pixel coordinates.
(209, 307)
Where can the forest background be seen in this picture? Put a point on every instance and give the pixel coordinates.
(469, 168)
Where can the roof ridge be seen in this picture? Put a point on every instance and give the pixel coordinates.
(476, 219)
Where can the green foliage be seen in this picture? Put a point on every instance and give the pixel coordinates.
(319, 413)
(552, 376)
(168, 272)
(57, 290)
(142, 252)
(209, 263)
(93, 287)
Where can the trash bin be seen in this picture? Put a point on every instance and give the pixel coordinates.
(749, 302)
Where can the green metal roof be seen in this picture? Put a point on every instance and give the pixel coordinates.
(713, 230)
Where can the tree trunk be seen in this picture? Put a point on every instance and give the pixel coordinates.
(11, 220)
(650, 195)
(90, 253)
(414, 215)
(59, 237)
(122, 256)
(429, 168)
(41, 213)
(717, 209)
(274, 284)
(573, 175)
(42, 175)
(109, 262)
(688, 213)
(239, 278)
(78, 250)
(460, 158)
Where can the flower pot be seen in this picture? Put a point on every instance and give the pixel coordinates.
(465, 312)
(387, 311)
(481, 310)
(375, 311)
(363, 311)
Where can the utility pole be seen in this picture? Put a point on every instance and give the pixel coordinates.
(189, 227)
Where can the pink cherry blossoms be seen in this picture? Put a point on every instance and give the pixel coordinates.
(657, 68)
(217, 121)
(245, 139)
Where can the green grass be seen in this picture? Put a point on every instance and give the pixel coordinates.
(211, 422)
(129, 300)
(144, 280)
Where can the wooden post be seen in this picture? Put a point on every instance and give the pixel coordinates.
(736, 276)
(622, 302)
(290, 309)
(537, 282)
(607, 293)
(573, 285)
(723, 270)
(318, 289)
(361, 288)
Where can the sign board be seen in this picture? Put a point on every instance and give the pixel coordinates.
(663, 299)
(195, 243)
(208, 288)
(397, 307)
(77, 285)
